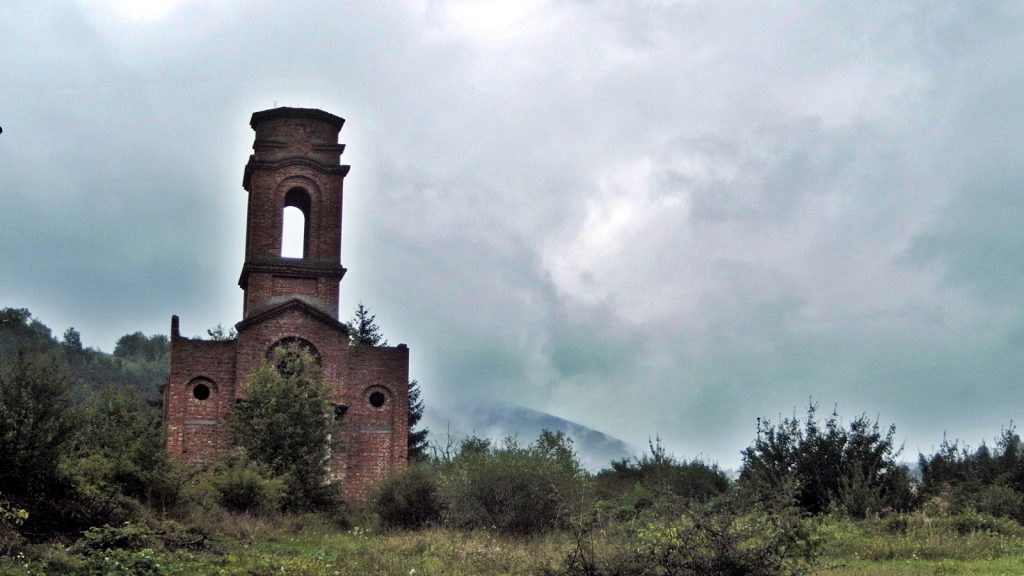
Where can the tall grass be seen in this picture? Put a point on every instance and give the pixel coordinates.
(968, 536)
(317, 552)
(315, 545)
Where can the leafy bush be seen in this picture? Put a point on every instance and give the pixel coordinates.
(118, 453)
(113, 562)
(144, 562)
(724, 537)
(409, 499)
(36, 421)
(127, 537)
(998, 501)
(970, 521)
(633, 485)
(132, 549)
(850, 469)
(11, 518)
(896, 524)
(513, 489)
(985, 480)
(624, 504)
(242, 488)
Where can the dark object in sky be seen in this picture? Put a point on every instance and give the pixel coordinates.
(1, 129)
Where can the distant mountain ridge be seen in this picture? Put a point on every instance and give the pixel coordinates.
(499, 420)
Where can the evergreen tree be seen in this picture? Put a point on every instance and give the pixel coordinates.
(363, 330)
(73, 351)
(72, 341)
(417, 438)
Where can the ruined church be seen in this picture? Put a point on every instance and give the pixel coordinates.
(287, 301)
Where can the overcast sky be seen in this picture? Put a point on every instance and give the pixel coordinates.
(648, 217)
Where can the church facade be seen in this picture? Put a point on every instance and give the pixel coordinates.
(293, 301)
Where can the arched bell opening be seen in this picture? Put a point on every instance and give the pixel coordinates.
(295, 224)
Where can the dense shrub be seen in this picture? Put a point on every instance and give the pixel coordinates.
(999, 501)
(127, 537)
(37, 421)
(630, 486)
(118, 452)
(990, 481)
(10, 540)
(144, 562)
(724, 537)
(409, 499)
(512, 488)
(128, 550)
(11, 518)
(969, 521)
(852, 469)
(241, 487)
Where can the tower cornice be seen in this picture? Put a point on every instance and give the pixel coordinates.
(256, 164)
(291, 267)
(287, 112)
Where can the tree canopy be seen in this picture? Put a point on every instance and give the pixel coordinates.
(285, 417)
(36, 420)
(852, 468)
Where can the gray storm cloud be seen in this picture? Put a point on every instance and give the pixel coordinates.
(650, 218)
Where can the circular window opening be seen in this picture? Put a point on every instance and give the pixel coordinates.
(201, 392)
(377, 399)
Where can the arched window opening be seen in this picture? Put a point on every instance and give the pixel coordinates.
(286, 352)
(295, 224)
(293, 235)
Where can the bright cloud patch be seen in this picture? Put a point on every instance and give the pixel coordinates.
(133, 9)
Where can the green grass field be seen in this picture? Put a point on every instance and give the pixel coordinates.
(902, 545)
(312, 552)
(918, 544)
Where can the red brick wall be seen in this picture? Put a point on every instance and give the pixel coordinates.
(373, 439)
(294, 150)
(376, 438)
(289, 285)
(293, 298)
(195, 428)
(331, 342)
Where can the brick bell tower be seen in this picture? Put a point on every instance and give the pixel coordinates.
(296, 163)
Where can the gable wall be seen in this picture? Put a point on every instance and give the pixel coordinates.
(195, 428)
